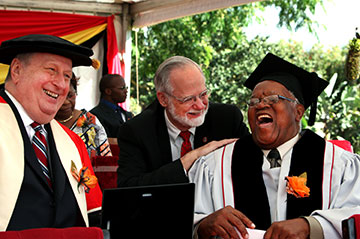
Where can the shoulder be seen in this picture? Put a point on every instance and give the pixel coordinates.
(224, 111)
(143, 125)
(150, 115)
(333, 151)
(225, 115)
(218, 157)
(95, 109)
(214, 162)
(99, 108)
(90, 116)
(223, 108)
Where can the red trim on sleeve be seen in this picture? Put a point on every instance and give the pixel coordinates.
(331, 173)
(222, 176)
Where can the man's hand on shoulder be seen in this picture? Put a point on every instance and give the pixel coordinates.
(223, 222)
(188, 159)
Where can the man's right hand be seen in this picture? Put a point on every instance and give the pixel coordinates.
(223, 222)
(188, 159)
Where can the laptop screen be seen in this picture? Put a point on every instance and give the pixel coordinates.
(158, 211)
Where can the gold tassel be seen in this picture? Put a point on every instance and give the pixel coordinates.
(95, 63)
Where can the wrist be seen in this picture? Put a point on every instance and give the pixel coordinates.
(188, 159)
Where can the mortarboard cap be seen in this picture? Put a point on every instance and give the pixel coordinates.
(304, 85)
(79, 55)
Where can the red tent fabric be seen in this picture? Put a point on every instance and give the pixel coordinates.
(54, 233)
(19, 23)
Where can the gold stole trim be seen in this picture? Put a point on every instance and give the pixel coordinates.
(12, 163)
(68, 152)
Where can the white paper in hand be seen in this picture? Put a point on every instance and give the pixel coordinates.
(253, 233)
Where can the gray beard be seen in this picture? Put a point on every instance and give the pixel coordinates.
(184, 120)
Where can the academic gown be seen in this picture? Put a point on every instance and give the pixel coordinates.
(26, 199)
(333, 179)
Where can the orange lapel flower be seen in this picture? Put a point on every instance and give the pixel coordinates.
(297, 186)
(83, 177)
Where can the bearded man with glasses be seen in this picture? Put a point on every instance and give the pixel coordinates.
(156, 146)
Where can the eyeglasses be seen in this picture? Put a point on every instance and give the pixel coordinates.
(269, 100)
(192, 98)
(121, 88)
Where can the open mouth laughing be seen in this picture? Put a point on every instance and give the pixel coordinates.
(51, 94)
(264, 119)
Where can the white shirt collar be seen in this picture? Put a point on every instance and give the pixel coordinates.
(24, 116)
(27, 121)
(173, 130)
(285, 147)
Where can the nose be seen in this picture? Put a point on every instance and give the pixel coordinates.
(199, 104)
(60, 82)
(261, 104)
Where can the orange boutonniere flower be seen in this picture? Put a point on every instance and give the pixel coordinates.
(297, 186)
(83, 177)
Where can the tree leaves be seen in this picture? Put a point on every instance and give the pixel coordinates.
(216, 41)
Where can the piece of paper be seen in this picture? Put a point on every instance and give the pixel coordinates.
(254, 233)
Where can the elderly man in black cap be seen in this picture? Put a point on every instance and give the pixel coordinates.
(291, 183)
(39, 158)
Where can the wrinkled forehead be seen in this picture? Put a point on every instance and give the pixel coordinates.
(269, 87)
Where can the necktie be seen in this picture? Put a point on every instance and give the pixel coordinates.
(186, 145)
(274, 158)
(119, 110)
(39, 144)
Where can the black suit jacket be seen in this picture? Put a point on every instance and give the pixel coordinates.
(110, 119)
(145, 152)
(38, 205)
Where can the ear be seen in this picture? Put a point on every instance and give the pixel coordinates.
(299, 112)
(107, 91)
(162, 99)
(15, 70)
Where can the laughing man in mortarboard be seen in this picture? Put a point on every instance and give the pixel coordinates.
(37, 153)
(289, 182)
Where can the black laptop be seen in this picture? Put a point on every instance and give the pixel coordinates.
(159, 211)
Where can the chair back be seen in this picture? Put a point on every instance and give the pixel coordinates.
(56, 233)
(105, 169)
(351, 227)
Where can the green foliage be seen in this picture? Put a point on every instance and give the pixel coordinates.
(215, 40)
(295, 14)
(203, 37)
(354, 45)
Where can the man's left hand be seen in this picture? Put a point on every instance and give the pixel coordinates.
(290, 229)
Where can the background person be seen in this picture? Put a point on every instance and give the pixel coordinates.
(155, 146)
(37, 187)
(83, 123)
(247, 184)
(113, 91)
